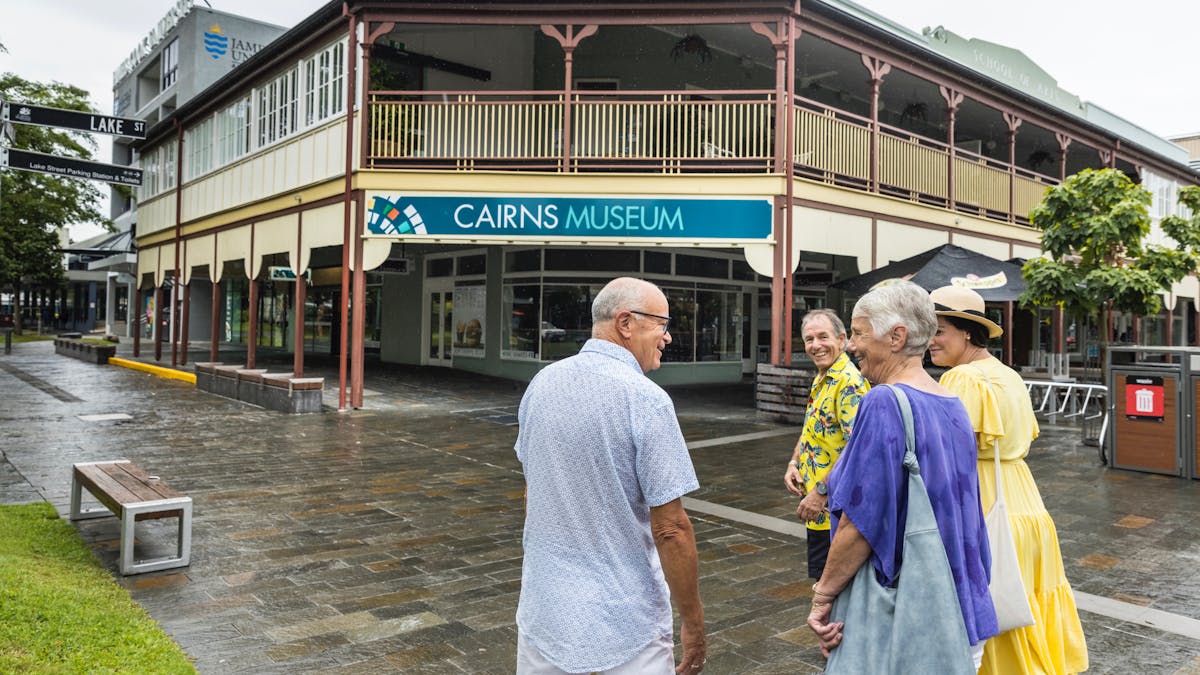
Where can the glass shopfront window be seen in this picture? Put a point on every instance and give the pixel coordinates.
(551, 321)
(682, 304)
(566, 319)
(718, 324)
(470, 314)
(236, 309)
(522, 306)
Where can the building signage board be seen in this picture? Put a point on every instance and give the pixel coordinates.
(24, 113)
(67, 166)
(495, 217)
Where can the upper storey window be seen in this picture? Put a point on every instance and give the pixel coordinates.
(170, 64)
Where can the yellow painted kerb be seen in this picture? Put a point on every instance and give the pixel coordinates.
(169, 373)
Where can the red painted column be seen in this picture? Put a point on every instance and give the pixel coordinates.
(358, 344)
(156, 330)
(877, 70)
(1064, 142)
(1008, 334)
(1013, 123)
(953, 100)
(135, 316)
(183, 329)
(252, 333)
(298, 300)
(215, 336)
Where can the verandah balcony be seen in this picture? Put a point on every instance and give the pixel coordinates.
(693, 131)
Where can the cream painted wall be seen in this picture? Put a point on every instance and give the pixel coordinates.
(1026, 251)
(989, 247)
(832, 232)
(897, 241)
(311, 157)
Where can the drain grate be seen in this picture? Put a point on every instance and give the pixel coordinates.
(39, 384)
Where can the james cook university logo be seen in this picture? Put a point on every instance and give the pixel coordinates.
(216, 43)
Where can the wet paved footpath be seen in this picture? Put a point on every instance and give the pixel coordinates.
(389, 539)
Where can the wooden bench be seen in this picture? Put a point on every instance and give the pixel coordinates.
(127, 492)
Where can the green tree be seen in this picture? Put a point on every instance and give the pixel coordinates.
(34, 207)
(1094, 227)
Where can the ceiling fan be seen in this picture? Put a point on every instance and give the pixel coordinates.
(806, 81)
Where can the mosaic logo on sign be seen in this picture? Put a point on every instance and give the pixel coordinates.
(531, 216)
(388, 217)
(215, 42)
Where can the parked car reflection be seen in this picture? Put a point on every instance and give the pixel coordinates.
(552, 333)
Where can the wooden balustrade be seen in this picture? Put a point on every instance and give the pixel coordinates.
(676, 131)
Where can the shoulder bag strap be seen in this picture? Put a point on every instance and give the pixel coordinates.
(910, 442)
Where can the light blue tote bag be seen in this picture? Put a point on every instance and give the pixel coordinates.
(916, 627)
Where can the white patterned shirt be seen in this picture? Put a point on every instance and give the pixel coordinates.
(600, 444)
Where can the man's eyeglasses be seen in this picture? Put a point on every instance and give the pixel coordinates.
(666, 320)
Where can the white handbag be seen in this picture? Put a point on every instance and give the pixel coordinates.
(1006, 587)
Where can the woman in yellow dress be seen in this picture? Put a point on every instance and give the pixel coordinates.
(998, 403)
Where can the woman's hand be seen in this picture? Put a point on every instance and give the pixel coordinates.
(828, 632)
(791, 480)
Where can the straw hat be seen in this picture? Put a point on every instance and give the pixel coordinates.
(965, 304)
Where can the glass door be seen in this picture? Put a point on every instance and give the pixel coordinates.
(439, 326)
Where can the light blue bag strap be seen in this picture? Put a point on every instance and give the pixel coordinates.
(910, 439)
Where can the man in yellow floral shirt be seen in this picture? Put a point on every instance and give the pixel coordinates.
(833, 402)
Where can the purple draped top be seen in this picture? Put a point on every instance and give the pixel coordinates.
(870, 486)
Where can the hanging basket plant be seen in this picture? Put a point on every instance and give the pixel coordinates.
(692, 45)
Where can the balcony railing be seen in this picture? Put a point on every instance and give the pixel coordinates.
(675, 132)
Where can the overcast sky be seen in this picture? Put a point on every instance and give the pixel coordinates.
(1132, 59)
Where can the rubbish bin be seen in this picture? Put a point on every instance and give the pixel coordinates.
(1152, 404)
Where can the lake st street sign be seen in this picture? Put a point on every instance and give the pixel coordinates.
(67, 166)
(24, 113)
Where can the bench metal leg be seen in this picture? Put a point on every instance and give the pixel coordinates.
(183, 542)
(77, 499)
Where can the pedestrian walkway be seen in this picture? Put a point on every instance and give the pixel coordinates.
(389, 539)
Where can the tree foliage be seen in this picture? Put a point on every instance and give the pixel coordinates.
(1094, 228)
(34, 207)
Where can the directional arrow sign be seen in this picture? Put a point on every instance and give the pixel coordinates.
(67, 166)
(24, 113)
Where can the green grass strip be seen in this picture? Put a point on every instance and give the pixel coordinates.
(61, 612)
(28, 337)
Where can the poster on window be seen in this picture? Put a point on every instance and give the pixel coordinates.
(1144, 398)
(470, 310)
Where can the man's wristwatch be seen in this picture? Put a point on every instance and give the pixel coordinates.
(821, 488)
(794, 463)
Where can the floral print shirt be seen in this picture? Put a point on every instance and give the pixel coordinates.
(832, 405)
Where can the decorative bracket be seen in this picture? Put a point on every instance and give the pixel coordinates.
(876, 67)
(383, 29)
(572, 39)
(1013, 122)
(953, 98)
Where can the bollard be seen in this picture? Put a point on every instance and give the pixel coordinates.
(8, 340)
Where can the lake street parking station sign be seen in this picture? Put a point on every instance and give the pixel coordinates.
(68, 166)
(24, 113)
(552, 217)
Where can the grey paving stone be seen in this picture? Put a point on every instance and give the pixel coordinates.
(389, 539)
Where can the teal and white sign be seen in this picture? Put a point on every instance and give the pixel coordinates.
(507, 217)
